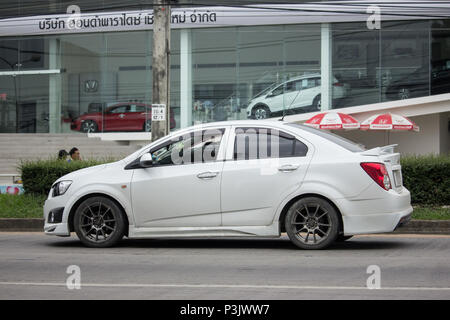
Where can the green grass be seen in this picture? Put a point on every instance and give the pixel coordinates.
(30, 206)
(431, 213)
(21, 206)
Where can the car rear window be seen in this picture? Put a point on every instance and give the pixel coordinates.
(345, 143)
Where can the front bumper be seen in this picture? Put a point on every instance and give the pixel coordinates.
(75, 126)
(60, 228)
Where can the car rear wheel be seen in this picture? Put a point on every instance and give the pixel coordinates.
(148, 126)
(89, 126)
(99, 222)
(404, 93)
(261, 112)
(312, 223)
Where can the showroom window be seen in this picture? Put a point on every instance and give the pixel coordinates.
(373, 66)
(246, 64)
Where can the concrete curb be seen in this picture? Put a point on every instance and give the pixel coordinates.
(414, 226)
(426, 227)
(21, 224)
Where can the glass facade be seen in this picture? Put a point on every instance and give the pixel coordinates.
(102, 82)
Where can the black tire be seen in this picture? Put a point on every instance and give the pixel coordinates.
(312, 223)
(342, 238)
(260, 112)
(317, 103)
(99, 222)
(89, 126)
(147, 126)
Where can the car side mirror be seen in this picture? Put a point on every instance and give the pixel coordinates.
(270, 95)
(146, 160)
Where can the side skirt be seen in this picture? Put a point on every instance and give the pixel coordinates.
(193, 232)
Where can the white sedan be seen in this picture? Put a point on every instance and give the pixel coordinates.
(235, 178)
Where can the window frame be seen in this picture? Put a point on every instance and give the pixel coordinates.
(232, 137)
(134, 164)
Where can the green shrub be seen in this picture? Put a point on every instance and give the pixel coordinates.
(21, 205)
(39, 175)
(427, 178)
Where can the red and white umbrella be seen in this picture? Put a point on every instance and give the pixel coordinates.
(333, 120)
(389, 121)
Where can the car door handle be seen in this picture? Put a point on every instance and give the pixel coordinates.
(288, 168)
(208, 175)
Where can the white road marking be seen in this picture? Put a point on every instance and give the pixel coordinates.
(231, 286)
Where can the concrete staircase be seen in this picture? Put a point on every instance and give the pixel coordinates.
(14, 147)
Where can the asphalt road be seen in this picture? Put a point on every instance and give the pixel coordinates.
(34, 266)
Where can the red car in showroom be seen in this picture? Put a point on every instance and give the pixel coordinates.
(119, 117)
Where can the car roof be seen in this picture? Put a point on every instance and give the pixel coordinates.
(249, 122)
(305, 76)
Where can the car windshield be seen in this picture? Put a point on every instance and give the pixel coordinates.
(343, 142)
(266, 90)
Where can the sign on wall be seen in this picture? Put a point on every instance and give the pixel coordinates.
(76, 21)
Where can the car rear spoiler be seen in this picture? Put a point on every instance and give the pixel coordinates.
(378, 151)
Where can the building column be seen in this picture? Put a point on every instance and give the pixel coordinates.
(326, 49)
(185, 78)
(54, 95)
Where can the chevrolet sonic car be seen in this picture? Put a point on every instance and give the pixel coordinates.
(235, 179)
(297, 93)
(124, 116)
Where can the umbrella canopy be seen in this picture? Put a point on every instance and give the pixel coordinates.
(389, 121)
(332, 120)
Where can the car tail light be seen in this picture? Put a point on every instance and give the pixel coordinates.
(338, 84)
(377, 171)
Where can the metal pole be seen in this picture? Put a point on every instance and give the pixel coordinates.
(160, 66)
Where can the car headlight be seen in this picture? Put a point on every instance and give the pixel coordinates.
(61, 187)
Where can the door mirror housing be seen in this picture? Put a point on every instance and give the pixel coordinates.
(146, 160)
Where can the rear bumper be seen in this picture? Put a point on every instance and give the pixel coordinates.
(375, 223)
(403, 221)
(379, 215)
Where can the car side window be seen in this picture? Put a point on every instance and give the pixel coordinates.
(317, 82)
(121, 109)
(261, 143)
(291, 86)
(136, 108)
(140, 108)
(196, 147)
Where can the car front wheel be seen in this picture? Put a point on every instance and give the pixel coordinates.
(312, 223)
(261, 112)
(317, 103)
(148, 126)
(89, 126)
(99, 222)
